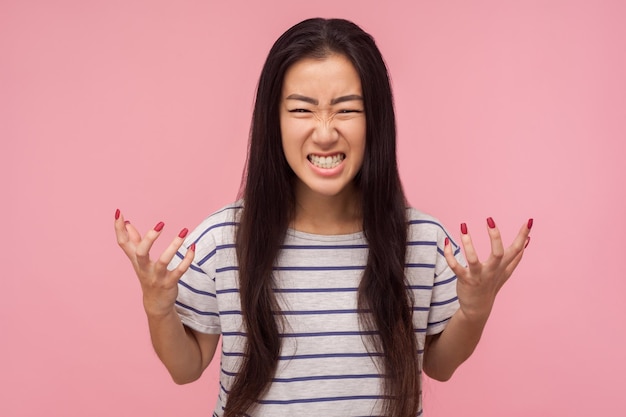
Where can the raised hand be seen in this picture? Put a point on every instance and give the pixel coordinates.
(479, 282)
(158, 284)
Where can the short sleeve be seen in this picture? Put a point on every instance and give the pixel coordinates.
(196, 303)
(444, 301)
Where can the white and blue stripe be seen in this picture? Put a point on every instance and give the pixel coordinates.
(324, 366)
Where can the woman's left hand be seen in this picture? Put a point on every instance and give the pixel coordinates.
(479, 282)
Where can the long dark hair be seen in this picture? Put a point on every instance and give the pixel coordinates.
(269, 206)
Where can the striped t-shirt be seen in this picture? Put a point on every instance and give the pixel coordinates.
(324, 367)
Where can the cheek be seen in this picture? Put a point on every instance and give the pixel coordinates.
(359, 144)
(290, 141)
(291, 128)
(356, 132)
(286, 134)
(295, 132)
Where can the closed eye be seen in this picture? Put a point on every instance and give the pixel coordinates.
(350, 111)
(299, 111)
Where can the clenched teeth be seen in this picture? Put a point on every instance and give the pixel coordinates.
(326, 162)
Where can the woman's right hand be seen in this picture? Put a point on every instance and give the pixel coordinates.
(158, 284)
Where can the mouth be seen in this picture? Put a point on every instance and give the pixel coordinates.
(326, 162)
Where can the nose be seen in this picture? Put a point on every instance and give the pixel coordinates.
(325, 134)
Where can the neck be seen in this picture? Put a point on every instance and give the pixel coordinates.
(328, 215)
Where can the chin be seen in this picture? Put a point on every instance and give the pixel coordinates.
(329, 190)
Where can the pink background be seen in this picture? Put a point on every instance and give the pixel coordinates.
(505, 109)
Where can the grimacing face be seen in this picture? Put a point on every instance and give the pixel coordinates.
(323, 124)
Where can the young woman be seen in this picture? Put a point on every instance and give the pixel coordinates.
(330, 294)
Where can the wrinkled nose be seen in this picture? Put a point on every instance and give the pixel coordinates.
(325, 134)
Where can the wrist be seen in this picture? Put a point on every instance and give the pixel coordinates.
(474, 317)
(158, 312)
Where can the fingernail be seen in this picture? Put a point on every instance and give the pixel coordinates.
(192, 247)
(491, 223)
(463, 228)
(527, 242)
(159, 226)
(530, 223)
(117, 214)
(183, 233)
(446, 242)
(127, 222)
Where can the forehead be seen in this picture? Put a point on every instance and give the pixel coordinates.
(322, 77)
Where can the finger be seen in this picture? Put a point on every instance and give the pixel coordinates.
(470, 253)
(497, 248)
(143, 249)
(515, 252)
(519, 243)
(510, 268)
(133, 233)
(457, 268)
(182, 267)
(516, 260)
(120, 230)
(169, 253)
(123, 238)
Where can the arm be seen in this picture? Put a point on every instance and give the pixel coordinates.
(184, 352)
(477, 287)
(446, 351)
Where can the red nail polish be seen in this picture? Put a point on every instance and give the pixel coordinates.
(446, 242)
(159, 226)
(127, 222)
(463, 228)
(183, 233)
(530, 223)
(117, 214)
(527, 242)
(192, 247)
(491, 223)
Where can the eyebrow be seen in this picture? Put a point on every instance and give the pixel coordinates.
(315, 102)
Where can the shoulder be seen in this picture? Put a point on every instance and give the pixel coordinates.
(423, 225)
(226, 214)
(218, 226)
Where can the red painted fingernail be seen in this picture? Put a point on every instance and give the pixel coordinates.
(463, 228)
(192, 247)
(183, 233)
(127, 222)
(491, 223)
(527, 242)
(117, 214)
(530, 224)
(159, 226)
(446, 242)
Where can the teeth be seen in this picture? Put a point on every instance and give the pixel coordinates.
(326, 162)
